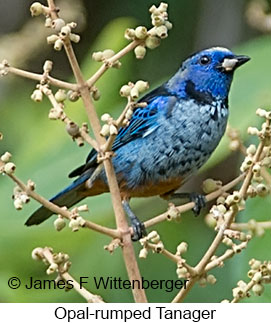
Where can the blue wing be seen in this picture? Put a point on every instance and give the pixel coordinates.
(143, 122)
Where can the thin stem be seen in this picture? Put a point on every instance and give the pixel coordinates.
(92, 142)
(247, 226)
(58, 210)
(228, 254)
(213, 264)
(83, 131)
(53, 9)
(106, 65)
(246, 290)
(40, 77)
(174, 258)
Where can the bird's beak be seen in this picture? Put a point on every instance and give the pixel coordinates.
(230, 64)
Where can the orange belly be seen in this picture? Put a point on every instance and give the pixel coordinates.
(150, 189)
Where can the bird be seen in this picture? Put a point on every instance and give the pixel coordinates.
(165, 142)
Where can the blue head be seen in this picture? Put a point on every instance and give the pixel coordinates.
(207, 73)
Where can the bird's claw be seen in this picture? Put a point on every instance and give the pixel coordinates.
(139, 229)
(200, 202)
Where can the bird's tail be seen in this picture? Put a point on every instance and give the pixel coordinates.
(68, 197)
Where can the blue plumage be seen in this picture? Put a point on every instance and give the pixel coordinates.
(169, 139)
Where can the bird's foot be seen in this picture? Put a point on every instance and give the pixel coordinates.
(138, 227)
(198, 199)
(200, 202)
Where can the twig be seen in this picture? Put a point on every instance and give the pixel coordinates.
(173, 258)
(245, 291)
(82, 132)
(92, 142)
(227, 254)
(247, 226)
(109, 62)
(40, 77)
(58, 210)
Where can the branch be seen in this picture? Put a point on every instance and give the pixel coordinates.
(122, 224)
(58, 210)
(40, 77)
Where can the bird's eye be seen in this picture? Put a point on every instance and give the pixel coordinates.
(205, 60)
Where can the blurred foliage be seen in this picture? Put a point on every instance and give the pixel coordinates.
(44, 153)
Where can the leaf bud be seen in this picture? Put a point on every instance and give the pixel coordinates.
(106, 117)
(152, 42)
(6, 157)
(72, 129)
(108, 53)
(52, 268)
(113, 130)
(125, 90)
(140, 51)
(143, 253)
(18, 204)
(74, 38)
(52, 39)
(211, 279)
(105, 130)
(57, 24)
(47, 67)
(59, 224)
(141, 86)
(9, 168)
(36, 9)
(258, 289)
(262, 190)
(58, 44)
(65, 31)
(182, 248)
(161, 31)
(134, 93)
(74, 225)
(141, 32)
(60, 95)
(37, 253)
(129, 34)
(37, 96)
(48, 22)
(251, 150)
